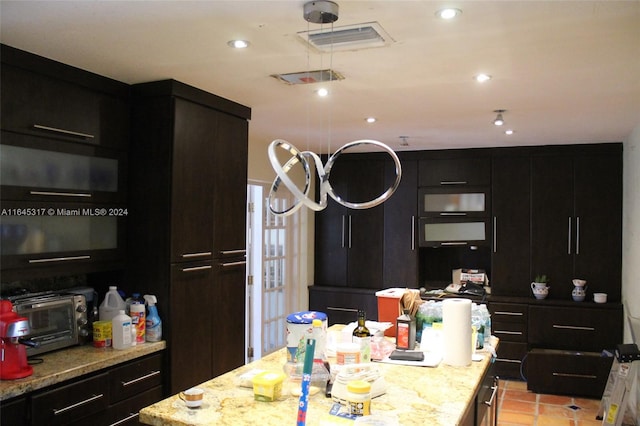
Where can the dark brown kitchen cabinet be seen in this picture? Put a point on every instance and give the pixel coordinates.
(65, 135)
(509, 322)
(188, 208)
(510, 242)
(400, 254)
(576, 222)
(112, 396)
(46, 98)
(342, 304)
(455, 168)
(349, 241)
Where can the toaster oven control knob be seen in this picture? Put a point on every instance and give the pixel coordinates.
(82, 321)
(81, 308)
(84, 332)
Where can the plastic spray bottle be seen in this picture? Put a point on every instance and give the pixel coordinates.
(153, 322)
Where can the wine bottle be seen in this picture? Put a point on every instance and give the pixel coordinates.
(362, 336)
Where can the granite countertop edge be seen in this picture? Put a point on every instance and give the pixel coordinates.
(69, 363)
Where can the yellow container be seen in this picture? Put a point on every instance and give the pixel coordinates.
(102, 334)
(267, 386)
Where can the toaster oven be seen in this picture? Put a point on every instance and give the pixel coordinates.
(56, 320)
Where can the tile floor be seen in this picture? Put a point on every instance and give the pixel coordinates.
(519, 407)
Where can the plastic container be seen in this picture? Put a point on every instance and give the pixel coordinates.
(121, 331)
(348, 353)
(153, 331)
(267, 386)
(137, 313)
(111, 305)
(389, 308)
(358, 397)
(299, 329)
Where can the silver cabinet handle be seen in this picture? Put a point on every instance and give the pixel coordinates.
(413, 233)
(453, 182)
(516, 314)
(196, 268)
(59, 259)
(573, 327)
(582, 376)
(63, 131)
(454, 243)
(513, 361)
(238, 263)
(125, 420)
(349, 231)
(61, 194)
(569, 238)
(493, 395)
(232, 252)
(453, 214)
(342, 232)
(200, 254)
(146, 376)
(333, 308)
(76, 405)
(513, 333)
(577, 234)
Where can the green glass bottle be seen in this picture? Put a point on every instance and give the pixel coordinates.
(362, 336)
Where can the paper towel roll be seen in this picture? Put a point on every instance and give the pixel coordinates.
(456, 330)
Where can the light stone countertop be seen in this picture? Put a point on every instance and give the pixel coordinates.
(415, 396)
(73, 362)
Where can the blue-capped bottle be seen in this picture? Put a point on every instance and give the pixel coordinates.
(153, 323)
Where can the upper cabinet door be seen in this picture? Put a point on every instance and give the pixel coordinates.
(192, 193)
(230, 186)
(40, 105)
(597, 243)
(451, 172)
(510, 246)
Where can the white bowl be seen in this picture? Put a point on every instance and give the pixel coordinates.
(579, 283)
(600, 297)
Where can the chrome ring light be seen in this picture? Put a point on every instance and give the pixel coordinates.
(302, 197)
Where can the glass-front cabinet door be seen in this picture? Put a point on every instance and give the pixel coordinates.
(41, 234)
(448, 232)
(32, 170)
(453, 202)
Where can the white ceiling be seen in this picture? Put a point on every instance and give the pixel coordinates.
(565, 71)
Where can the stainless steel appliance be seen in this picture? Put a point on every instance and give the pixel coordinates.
(56, 320)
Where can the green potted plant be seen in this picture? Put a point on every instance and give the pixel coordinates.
(540, 286)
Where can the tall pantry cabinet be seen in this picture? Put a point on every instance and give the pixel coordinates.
(187, 234)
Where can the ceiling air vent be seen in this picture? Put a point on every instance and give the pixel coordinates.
(308, 77)
(350, 37)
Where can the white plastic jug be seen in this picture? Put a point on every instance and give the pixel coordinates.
(111, 305)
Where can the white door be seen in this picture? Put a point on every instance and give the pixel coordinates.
(272, 259)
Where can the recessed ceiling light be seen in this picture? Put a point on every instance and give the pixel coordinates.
(481, 78)
(508, 132)
(238, 44)
(371, 119)
(322, 92)
(448, 13)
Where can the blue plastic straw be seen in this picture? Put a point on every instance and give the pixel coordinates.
(306, 380)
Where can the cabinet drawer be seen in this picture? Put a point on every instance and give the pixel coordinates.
(68, 403)
(584, 329)
(567, 372)
(134, 378)
(126, 412)
(509, 359)
(13, 413)
(509, 331)
(508, 312)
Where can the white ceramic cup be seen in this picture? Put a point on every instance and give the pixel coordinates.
(192, 397)
(600, 297)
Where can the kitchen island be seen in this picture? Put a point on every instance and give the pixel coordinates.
(442, 395)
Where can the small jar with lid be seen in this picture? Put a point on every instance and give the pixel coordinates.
(359, 397)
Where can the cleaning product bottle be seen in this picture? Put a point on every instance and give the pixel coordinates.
(154, 324)
(137, 313)
(121, 331)
(111, 305)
